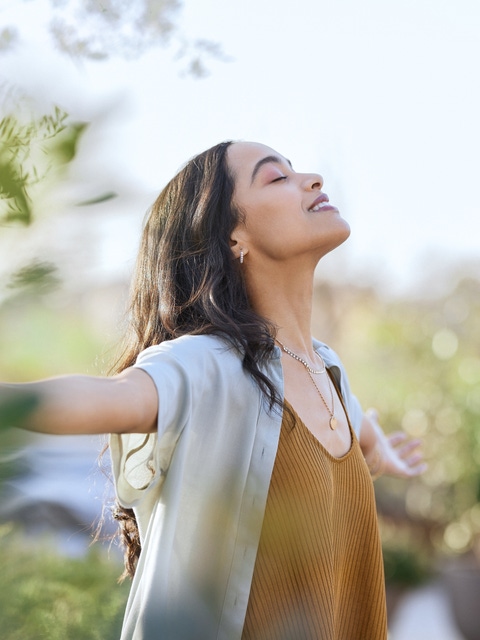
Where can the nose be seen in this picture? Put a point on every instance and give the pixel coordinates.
(313, 182)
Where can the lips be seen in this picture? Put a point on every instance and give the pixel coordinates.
(321, 203)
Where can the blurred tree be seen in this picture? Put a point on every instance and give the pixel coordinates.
(36, 338)
(31, 149)
(101, 29)
(34, 151)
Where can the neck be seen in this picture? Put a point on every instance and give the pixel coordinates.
(285, 299)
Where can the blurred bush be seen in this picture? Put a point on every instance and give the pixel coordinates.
(417, 360)
(45, 595)
(403, 566)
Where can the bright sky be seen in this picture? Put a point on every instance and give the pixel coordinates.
(381, 97)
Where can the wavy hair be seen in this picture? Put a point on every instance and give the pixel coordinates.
(187, 281)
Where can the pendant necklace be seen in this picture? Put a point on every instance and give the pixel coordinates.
(333, 420)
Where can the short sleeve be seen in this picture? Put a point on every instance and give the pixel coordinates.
(140, 461)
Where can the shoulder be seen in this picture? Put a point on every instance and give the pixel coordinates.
(194, 372)
(330, 356)
(189, 350)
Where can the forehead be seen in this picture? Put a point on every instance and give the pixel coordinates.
(243, 156)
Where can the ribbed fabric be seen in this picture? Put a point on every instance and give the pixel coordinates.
(319, 570)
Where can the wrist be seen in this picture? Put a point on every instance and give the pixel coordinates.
(377, 464)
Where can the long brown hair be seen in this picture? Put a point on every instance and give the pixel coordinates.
(187, 281)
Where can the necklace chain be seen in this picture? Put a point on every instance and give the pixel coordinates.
(304, 362)
(333, 420)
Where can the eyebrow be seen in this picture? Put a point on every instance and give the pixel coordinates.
(267, 160)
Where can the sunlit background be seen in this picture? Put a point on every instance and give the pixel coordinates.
(382, 98)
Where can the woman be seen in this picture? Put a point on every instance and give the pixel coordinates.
(235, 437)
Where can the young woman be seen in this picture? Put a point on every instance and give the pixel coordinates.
(237, 446)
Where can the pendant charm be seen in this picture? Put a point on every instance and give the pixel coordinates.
(333, 423)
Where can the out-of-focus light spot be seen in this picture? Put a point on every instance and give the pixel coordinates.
(448, 421)
(453, 468)
(426, 399)
(418, 501)
(435, 446)
(444, 344)
(457, 536)
(415, 422)
(437, 474)
(431, 479)
(469, 370)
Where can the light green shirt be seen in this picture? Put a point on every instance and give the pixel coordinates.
(199, 487)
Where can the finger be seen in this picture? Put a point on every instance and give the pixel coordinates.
(396, 438)
(417, 470)
(411, 472)
(414, 460)
(407, 448)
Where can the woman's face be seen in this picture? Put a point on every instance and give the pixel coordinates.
(286, 214)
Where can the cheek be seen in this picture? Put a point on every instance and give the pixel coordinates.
(264, 221)
(277, 208)
(274, 235)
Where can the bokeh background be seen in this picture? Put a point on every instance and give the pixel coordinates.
(101, 102)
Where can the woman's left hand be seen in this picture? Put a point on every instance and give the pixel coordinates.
(398, 455)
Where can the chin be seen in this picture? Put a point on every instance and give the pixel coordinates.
(336, 239)
(342, 233)
(347, 230)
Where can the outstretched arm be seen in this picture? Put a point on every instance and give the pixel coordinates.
(394, 454)
(75, 404)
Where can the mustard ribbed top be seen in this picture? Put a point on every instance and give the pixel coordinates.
(319, 569)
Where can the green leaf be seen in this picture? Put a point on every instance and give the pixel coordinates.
(109, 195)
(14, 409)
(13, 189)
(39, 277)
(65, 142)
(21, 166)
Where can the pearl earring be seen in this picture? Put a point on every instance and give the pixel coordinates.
(241, 256)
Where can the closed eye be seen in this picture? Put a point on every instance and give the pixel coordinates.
(279, 178)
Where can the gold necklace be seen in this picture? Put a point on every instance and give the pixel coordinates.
(333, 420)
(304, 362)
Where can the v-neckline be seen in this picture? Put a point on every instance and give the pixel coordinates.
(317, 442)
(350, 429)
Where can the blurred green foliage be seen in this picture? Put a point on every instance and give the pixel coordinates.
(40, 337)
(101, 30)
(14, 409)
(45, 595)
(403, 566)
(31, 149)
(36, 277)
(417, 360)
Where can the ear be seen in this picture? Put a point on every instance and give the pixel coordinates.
(238, 244)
